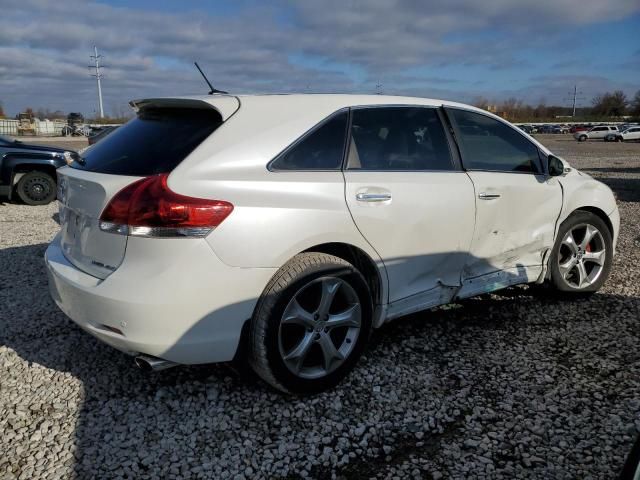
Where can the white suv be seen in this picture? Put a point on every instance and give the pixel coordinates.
(594, 133)
(628, 134)
(281, 229)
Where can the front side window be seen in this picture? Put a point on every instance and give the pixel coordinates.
(398, 138)
(320, 149)
(488, 144)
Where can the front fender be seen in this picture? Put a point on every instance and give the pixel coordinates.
(582, 191)
(15, 161)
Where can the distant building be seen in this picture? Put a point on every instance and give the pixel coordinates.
(494, 109)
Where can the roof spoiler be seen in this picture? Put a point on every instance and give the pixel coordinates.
(225, 105)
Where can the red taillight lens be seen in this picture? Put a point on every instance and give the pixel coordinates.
(148, 208)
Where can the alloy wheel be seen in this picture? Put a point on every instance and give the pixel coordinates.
(582, 256)
(320, 327)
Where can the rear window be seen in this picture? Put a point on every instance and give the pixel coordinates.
(156, 141)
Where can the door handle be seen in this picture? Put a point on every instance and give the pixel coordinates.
(373, 197)
(488, 196)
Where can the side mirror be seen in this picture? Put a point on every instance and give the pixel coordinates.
(556, 166)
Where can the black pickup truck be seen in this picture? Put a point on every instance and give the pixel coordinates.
(30, 170)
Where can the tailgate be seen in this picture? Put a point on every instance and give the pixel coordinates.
(82, 196)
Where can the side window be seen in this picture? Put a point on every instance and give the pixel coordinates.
(488, 144)
(398, 138)
(600, 129)
(320, 149)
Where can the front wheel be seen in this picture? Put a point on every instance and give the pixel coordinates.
(583, 253)
(582, 138)
(36, 188)
(311, 324)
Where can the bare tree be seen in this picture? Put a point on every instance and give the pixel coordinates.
(610, 104)
(481, 102)
(635, 104)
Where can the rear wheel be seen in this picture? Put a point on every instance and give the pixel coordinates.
(36, 188)
(582, 256)
(311, 324)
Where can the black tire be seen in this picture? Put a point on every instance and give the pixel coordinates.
(582, 138)
(631, 468)
(561, 254)
(36, 188)
(303, 270)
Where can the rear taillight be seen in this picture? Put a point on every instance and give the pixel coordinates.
(147, 208)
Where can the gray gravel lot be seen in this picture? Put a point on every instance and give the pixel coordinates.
(514, 385)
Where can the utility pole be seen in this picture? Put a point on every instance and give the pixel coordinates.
(98, 76)
(574, 97)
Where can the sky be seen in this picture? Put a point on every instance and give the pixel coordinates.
(450, 49)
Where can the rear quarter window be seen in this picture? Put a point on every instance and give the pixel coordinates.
(156, 141)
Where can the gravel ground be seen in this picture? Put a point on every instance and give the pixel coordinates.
(513, 385)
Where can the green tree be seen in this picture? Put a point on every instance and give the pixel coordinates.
(1, 111)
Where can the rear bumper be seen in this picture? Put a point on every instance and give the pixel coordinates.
(170, 298)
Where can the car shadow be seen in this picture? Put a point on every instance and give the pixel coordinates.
(137, 424)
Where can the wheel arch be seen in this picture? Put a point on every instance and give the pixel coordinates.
(39, 167)
(598, 213)
(374, 274)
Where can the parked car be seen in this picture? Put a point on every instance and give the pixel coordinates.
(630, 133)
(578, 128)
(29, 171)
(281, 229)
(595, 133)
(100, 134)
(559, 129)
(526, 128)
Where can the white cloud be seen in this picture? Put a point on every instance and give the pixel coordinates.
(45, 45)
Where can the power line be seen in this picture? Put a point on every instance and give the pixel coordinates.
(98, 76)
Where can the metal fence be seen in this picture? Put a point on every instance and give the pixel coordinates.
(43, 127)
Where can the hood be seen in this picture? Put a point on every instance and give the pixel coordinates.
(36, 148)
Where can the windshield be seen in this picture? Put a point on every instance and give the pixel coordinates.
(156, 141)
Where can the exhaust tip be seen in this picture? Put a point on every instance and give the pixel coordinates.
(143, 364)
(147, 363)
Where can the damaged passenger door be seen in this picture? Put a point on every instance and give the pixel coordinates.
(517, 204)
(411, 200)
